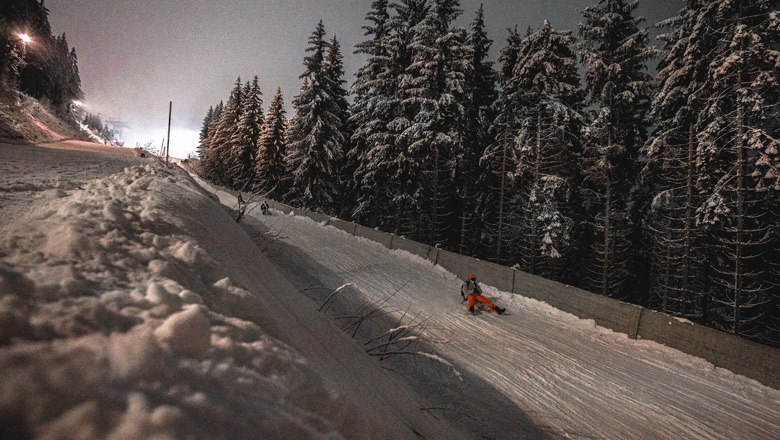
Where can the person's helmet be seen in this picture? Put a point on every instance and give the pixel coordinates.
(472, 277)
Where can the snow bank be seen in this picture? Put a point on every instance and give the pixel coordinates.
(135, 308)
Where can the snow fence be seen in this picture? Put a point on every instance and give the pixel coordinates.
(724, 350)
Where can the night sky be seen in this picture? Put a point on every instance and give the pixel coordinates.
(136, 55)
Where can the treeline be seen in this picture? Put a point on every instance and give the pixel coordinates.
(100, 128)
(45, 66)
(657, 190)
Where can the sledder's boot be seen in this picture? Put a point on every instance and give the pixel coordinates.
(471, 310)
(500, 310)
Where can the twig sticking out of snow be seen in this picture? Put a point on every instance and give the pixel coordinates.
(327, 300)
(392, 341)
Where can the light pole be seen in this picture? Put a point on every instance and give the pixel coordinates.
(168, 147)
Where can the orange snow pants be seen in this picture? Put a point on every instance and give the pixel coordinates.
(473, 298)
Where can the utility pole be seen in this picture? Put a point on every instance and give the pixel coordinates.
(168, 147)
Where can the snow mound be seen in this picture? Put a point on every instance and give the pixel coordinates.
(187, 333)
(118, 321)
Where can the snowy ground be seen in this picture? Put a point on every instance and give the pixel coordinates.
(133, 307)
(536, 371)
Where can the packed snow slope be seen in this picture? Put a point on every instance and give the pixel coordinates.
(133, 307)
(551, 370)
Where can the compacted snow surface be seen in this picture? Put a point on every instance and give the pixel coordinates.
(569, 377)
(133, 307)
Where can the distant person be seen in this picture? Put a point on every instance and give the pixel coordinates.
(264, 207)
(471, 292)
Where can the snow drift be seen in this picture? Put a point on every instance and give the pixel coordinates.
(134, 307)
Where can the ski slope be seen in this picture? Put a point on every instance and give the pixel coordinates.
(569, 377)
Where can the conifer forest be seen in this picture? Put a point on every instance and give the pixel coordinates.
(647, 172)
(46, 69)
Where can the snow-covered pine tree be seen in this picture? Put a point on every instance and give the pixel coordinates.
(374, 107)
(480, 95)
(216, 163)
(316, 137)
(204, 131)
(676, 281)
(71, 78)
(205, 144)
(677, 269)
(270, 165)
(243, 143)
(404, 24)
(12, 53)
(547, 93)
(614, 49)
(433, 90)
(498, 163)
(738, 128)
(334, 65)
(304, 86)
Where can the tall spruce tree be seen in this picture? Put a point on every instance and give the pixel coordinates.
(243, 142)
(480, 96)
(304, 86)
(216, 164)
(433, 89)
(374, 107)
(62, 83)
(669, 174)
(345, 168)
(382, 176)
(737, 135)
(546, 92)
(614, 49)
(498, 163)
(270, 166)
(316, 138)
(334, 69)
(404, 25)
(204, 128)
(205, 143)
(364, 90)
(204, 131)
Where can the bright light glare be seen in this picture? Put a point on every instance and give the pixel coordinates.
(25, 38)
(78, 103)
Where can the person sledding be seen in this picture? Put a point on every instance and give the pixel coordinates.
(471, 292)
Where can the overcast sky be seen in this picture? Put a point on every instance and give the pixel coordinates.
(137, 55)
